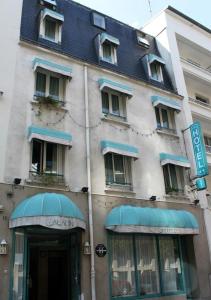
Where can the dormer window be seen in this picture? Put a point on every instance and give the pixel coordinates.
(155, 65)
(51, 25)
(108, 48)
(98, 20)
(49, 3)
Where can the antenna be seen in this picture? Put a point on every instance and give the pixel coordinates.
(150, 8)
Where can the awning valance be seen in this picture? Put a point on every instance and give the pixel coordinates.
(109, 38)
(52, 14)
(153, 57)
(49, 135)
(50, 210)
(122, 149)
(122, 88)
(181, 161)
(159, 100)
(126, 218)
(51, 66)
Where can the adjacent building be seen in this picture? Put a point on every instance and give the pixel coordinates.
(94, 169)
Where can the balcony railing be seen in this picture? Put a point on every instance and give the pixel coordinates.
(199, 102)
(196, 65)
(49, 179)
(167, 130)
(208, 148)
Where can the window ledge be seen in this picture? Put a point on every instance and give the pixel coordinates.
(119, 189)
(166, 132)
(177, 196)
(115, 120)
(56, 107)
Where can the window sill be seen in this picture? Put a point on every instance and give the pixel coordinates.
(167, 132)
(61, 107)
(113, 188)
(116, 120)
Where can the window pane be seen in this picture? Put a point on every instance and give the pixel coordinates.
(173, 174)
(107, 52)
(157, 113)
(51, 158)
(119, 172)
(165, 118)
(122, 266)
(147, 265)
(40, 84)
(115, 105)
(155, 71)
(105, 102)
(50, 29)
(99, 20)
(37, 148)
(54, 87)
(109, 168)
(166, 178)
(170, 264)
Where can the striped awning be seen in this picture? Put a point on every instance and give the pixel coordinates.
(181, 161)
(52, 14)
(152, 58)
(122, 88)
(51, 66)
(159, 100)
(127, 218)
(122, 149)
(49, 135)
(109, 38)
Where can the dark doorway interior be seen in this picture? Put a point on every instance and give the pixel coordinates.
(49, 269)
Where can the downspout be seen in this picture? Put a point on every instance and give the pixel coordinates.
(92, 270)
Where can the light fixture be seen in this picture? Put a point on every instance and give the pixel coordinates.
(196, 201)
(153, 198)
(87, 248)
(84, 189)
(17, 181)
(3, 247)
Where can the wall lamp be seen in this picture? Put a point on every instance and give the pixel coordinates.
(84, 189)
(17, 181)
(153, 198)
(87, 248)
(196, 201)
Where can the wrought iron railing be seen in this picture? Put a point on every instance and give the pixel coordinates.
(48, 179)
(49, 100)
(123, 186)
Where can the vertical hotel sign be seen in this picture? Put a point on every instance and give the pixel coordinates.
(199, 150)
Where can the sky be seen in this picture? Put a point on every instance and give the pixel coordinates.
(137, 12)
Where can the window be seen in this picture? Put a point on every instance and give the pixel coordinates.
(51, 25)
(142, 40)
(114, 104)
(156, 71)
(207, 142)
(145, 265)
(49, 84)
(47, 158)
(173, 178)
(165, 119)
(202, 100)
(99, 20)
(109, 53)
(117, 169)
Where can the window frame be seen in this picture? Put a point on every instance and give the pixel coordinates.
(182, 290)
(127, 166)
(170, 118)
(180, 179)
(113, 57)
(96, 14)
(122, 100)
(46, 94)
(159, 71)
(58, 29)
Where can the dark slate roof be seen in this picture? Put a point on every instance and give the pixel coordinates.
(78, 36)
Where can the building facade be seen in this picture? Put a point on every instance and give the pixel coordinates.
(95, 175)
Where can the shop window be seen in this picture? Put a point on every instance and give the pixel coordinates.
(117, 169)
(47, 162)
(145, 265)
(173, 178)
(99, 20)
(114, 104)
(165, 119)
(49, 85)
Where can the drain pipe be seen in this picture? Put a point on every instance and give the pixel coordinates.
(92, 271)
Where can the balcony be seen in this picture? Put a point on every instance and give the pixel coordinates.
(46, 179)
(195, 69)
(200, 108)
(165, 130)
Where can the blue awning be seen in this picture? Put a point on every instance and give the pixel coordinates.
(107, 37)
(51, 66)
(153, 57)
(181, 161)
(49, 210)
(52, 14)
(116, 86)
(122, 149)
(159, 100)
(127, 218)
(49, 135)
